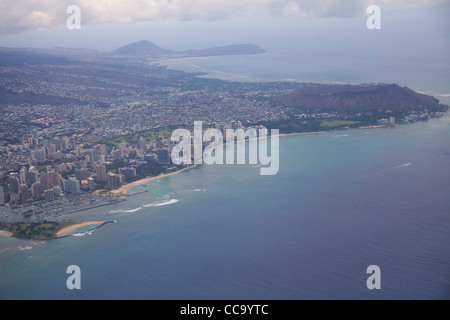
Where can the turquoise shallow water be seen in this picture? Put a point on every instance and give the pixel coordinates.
(341, 202)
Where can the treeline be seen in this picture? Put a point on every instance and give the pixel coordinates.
(35, 230)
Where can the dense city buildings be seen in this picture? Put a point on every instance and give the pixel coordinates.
(86, 127)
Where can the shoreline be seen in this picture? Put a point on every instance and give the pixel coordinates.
(61, 232)
(124, 189)
(5, 233)
(316, 132)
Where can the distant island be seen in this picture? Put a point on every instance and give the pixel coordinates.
(148, 49)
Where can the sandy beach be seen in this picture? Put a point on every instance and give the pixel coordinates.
(5, 233)
(124, 188)
(79, 225)
(301, 133)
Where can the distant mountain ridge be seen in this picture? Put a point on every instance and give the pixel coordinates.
(360, 97)
(146, 48)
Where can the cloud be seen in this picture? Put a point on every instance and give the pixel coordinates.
(21, 15)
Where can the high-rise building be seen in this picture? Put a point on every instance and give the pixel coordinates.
(14, 198)
(39, 155)
(61, 167)
(45, 181)
(13, 183)
(93, 156)
(65, 143)
(160, 143)
(100, 170)
(91, 184)
(128, 172)
(102, 151)
(23, 174)
(71, 186)
(2, 196)
(57, 143)
(82, 174)
(31, 142)
(122, 147)
(116, 155)
(33, 175)
(56, 156)
(112, 181)
(163, 156)
(142, 144)
(55, 179)
(36, 190)
(51, 148)
(24, 193)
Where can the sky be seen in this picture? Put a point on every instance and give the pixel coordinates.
(412, 47)
(21, 15)
(105, 23)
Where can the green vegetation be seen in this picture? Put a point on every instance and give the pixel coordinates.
(142, 171)
(333, 124)
(42, 167)
(35, 230)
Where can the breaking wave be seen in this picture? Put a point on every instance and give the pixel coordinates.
(126, 211)
(166, 203)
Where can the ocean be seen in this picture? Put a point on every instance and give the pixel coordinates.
(342, 201)
(299, 65)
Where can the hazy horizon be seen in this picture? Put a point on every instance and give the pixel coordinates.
(415, 38)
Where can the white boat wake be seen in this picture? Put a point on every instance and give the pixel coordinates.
(340, 135)
(396, 167)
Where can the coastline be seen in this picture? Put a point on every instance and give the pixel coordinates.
(316, 132)
(5, 233)
(124, 189)
(61, 232)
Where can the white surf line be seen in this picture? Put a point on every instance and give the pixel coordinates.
(166, 203)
